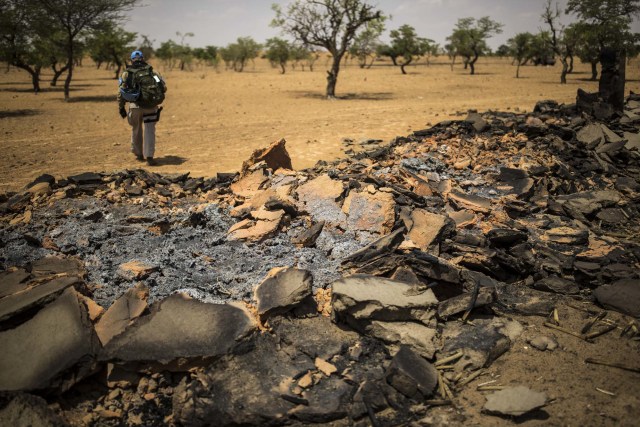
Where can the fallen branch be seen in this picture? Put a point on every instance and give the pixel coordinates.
(612, 365)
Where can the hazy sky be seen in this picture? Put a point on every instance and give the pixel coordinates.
(220, 22)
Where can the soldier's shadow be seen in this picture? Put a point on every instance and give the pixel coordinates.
(170, 160)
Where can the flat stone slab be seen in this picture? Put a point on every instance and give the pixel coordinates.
(319, 197)
(411, 375)
(470, 202)
(421, 338)
(558, 285)
(622, 296)
(250, 184)
(283, 290)
(566, 236)
(131, 305)
(13, 281)
(427, 228)
(39, 353)
(591, 135)
(365, 298)
(374, 213)
(55, 265)
(179, 327)
(481, 343)
(34, 295)
(514, 401)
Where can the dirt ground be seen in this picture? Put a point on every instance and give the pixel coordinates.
(212, 121)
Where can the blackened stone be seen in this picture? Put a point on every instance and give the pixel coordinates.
(13, 281)
(546, 106)
(411, 375)
(517, 298)
(283, 291)
(180, 328)
(26, 410)
(622, 296)
(504, 237)
(86, 178)
(53, 350)
(326, 403)
(49, 179)
(558, 285)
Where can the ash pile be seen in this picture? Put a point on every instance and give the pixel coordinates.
(373, 290)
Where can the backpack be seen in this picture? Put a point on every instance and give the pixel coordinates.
(150, 85)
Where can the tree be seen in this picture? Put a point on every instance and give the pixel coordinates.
(75, 16)
(406, 43)
(237, 54)
(519, 47)
(329, 24)
(111, 43)
(22, 38)
(168, 53)
(540, 50)
(146, 47)
(365, 44)
(470, 37)
(207, 55)
(503, 51)
(278, 52)
(551, 17)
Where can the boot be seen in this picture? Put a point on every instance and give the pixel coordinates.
(151, 161)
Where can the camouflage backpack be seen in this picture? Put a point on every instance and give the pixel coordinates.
(150, 85)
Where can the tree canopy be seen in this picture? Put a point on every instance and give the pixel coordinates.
(406, 44)
(469, 37)
(329, 24)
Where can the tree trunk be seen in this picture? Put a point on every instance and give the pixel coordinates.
(282, 64)
(472, 63)
(404, 64)
(394, 60)
(332, 77)
(67, 81)
(565, 68)
(612, 77)
(570, 70)
(56, 74)
(453, 62)
(518, 71)
(594, 70)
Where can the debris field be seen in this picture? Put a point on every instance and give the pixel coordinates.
(482, 271)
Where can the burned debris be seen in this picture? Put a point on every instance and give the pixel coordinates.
(372, 290)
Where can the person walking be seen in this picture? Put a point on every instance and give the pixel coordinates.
(144, 90)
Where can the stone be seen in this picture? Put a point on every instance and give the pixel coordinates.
(420, 338)
(481, 344)
(516, 298)
(275, 156)
(622, 296)
(256, 231)
(309, 236)
(131, 305)
(505, 237)
(26, 410)
(517, 180)
(181, 328)
(566, 235)
(633, 141)
(325, 367)
(39, 189)
(514, 401)
(314, 336)
(241, 390)
(250, 184)
(583, 204)
(34, 296)
(360, 299)
(476, 120)
(463, 218)
(470, 202)
(86, 178)
(282, 291)
(543, 343)
(374, 213)
(52, 350)
(591, 135)
(428, 228)
(324, 404)
(558, 285)
(54, 265)
(458, 304)
(136, 270)
(411, 375)
(13, 281)
(319, 197)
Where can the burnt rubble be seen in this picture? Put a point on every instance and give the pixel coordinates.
(367, 291)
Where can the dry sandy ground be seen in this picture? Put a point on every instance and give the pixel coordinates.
(212, 121)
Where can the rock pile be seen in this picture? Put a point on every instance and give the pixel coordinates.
(367, 291)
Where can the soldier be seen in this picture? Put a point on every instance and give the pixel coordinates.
(144, 90)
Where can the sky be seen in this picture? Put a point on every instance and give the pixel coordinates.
(220, 22)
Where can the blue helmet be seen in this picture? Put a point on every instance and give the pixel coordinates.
(136, 55)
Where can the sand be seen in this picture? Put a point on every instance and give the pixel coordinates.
(213, 120)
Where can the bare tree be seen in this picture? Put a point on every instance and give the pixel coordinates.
(551, 16)
(330, 24)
